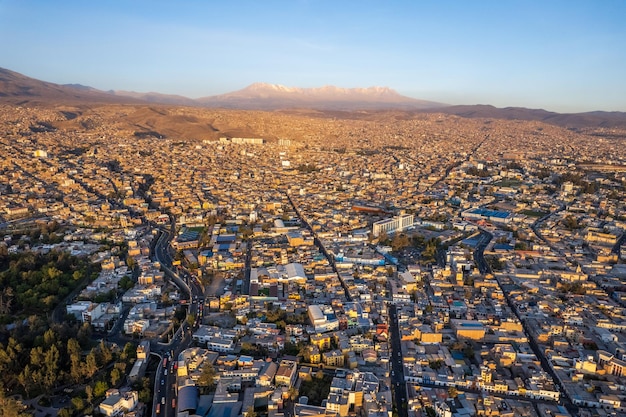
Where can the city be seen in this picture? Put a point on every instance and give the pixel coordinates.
(409, 264)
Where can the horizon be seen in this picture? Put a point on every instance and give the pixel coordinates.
(563, 56)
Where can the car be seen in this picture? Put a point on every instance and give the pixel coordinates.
(163, 400)
(162, 382)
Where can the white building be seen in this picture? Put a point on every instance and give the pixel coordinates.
(117, 404)
(396, 224)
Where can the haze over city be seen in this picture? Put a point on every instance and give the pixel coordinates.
(561, 56)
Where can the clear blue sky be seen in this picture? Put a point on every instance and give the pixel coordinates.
(559, 55)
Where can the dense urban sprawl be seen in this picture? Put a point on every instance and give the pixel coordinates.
(317, 265)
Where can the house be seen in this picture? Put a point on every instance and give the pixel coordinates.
(117, 403)
(286, 373)
(333, 358)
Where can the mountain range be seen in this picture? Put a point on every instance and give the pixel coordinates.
(19, 89)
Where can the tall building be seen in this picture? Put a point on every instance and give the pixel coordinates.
(396, 224)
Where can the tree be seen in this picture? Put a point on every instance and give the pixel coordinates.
(25, 379)
(74, 354)
(126, 283)
(115, 376)
(145, 393)
(6, 300)
(129, 352)
(91, 364)
(383, 238)
(89, 393)
(10, 407)
(400, 241)
(49, 338)
(100, 388)
(105, 353)
(78, 403)
(52, 367)
(292, 393)
(468, 351)
(207, 377)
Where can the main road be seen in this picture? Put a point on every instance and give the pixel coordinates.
(165, 377)
(397, 368)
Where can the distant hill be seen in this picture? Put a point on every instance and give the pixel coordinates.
(171, 99)
(19, 89)
(262, 96)
(570, 120)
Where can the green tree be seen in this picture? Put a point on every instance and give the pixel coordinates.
(25, 379)
(10, 407)
(52, 367)
(74, 354)
(400, 241)
(78, 403)
(126, 283)
(91, 364)
(100, 389)
(89, 393)
(207, 377)
(105, 354)
(65, 412)
(145, 392)
(129, 352)
(115, 376)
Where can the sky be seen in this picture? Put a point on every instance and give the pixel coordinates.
(559, 55)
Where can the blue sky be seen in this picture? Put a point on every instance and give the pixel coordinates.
(563, 56)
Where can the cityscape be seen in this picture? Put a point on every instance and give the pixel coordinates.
(309, 264)
(312, 208)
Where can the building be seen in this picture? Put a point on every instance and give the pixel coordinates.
(396, 224)
(333, 358)
(116, 403)
(494, 216)
(286, 373)
(468, 329)
(322, 341)
(320, 321)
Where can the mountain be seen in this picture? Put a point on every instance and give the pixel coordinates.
(170, 99)
(20, 89)
(597, 119)
(262, 96)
